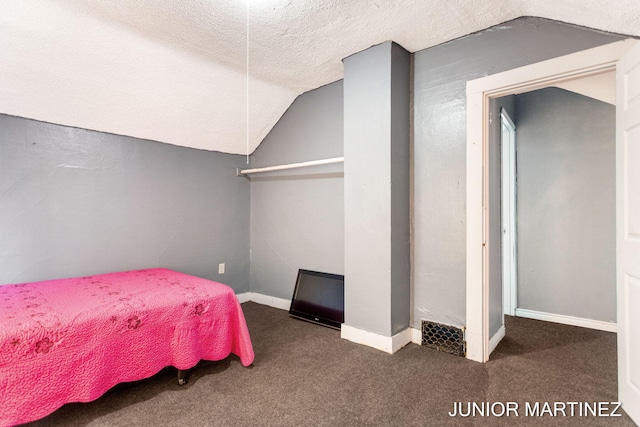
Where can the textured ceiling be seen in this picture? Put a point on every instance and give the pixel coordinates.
(175, 71)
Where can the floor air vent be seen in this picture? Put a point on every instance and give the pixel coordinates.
(443, 338)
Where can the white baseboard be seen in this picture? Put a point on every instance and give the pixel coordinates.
(244, 297)
(281, 303)
(379, 342)
(416, 336)
(568, 320)
(496, 338)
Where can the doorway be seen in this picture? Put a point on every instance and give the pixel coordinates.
(623, 58)
(479, 93)
(565, 227)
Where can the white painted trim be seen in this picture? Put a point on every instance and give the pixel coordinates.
(568, 320)
(244, 297)
(536, 76)
(546, 73)
(379, 342)
(400, 339)
(281, 303)
(496, 338)
(475, 306)
(416, 336)
(508, 221)
(504, 114)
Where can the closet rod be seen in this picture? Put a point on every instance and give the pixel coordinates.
(290, 166)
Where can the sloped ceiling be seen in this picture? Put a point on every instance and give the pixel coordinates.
(176, 71)
(601, 87)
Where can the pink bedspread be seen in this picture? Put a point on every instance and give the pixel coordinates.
(71, 340)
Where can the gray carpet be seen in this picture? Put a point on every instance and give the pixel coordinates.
(305, 374)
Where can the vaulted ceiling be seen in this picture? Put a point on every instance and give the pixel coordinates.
(176, 71)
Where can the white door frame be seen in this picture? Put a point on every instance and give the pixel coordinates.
(524, 79)
(508, 220)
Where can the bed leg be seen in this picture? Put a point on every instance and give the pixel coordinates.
(182, 377)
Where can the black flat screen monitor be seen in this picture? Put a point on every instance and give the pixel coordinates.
(319, 298)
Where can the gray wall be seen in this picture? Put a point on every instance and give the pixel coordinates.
(400, 146)
(297, 216)
(566, 204)
(440, 76)
(76, 202)
(79, 202)
(376, 189)
(282, 229)
(495, 208)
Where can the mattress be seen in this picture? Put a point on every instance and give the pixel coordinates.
(71, 340)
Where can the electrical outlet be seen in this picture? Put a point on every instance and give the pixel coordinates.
(221, 268)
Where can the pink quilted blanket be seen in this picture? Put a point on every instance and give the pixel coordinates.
(71, 340)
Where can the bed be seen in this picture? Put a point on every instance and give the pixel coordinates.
(71, 340)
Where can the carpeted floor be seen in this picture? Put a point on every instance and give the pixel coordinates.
(306, 375)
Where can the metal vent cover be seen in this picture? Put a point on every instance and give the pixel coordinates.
(443, 338)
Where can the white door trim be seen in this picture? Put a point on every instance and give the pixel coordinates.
(508, 202)
(536, 76)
